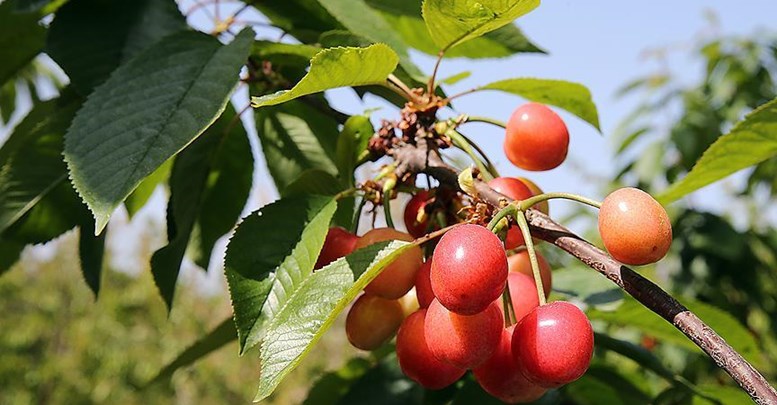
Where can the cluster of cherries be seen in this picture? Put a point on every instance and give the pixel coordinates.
(459, 322)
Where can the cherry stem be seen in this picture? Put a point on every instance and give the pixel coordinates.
(387, 206)
(524, 205)
(462, 143)
(487, 120)
(507, 304)
(357, 216)
(346, 193)
(431, 85)
(535, 266)
(509, 210)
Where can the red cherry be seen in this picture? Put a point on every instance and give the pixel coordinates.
(536, 138)
(553, 344)
(536, 190)
(415, 359)
(398, 277)
(523, 294)
(414, 207)
(372, 321)
(500, 376)
(635, 228)
(423, 285)
(338, 243)
(516, 190)
(464, 341)
(469, 269)
(520, 263)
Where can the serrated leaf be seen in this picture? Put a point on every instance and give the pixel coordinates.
(295, 138)
(165, 97)
(338, 67)
(31, 159)
(451, 22)
(405, 17)
(21, 39)
(195, 170)
(221, 335)
(303, 19)
(139, 197)
(278, 52)
(314, 303)
(273, 249)
(572, 97)
(751, 141)
(90, 38)
(91, 250)
(363, 20)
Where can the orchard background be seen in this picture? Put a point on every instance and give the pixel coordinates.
(666, 88)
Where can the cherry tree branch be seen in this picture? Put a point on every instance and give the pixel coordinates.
(422, 159)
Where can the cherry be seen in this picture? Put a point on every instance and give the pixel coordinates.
(338, 243)
(536, 138)
(520, 263)
(417, 361)
(469, 269)
(464, 341)
(372, 321)
(553, 344)
(635, 228)
(500, 376)
(397, 278)
(523, 294)
(423, 285)
(516, 190)
(536, 190)
(414, 210)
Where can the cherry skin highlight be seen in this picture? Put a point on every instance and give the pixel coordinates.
(500, 376)
(536, 138)
(372, 321)
(516, 190)
(553, 344)
(464, 341)
(520, 263)
(398, 277)
(469, 269)
(423, 285)
(417, 361)
(338, 243)
(415, 208)
(634, 227)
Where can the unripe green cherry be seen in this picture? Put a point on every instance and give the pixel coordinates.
(634, 227)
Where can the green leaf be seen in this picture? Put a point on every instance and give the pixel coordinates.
(623, 383)
(31, 159)
(723, 394)
(271, 250)
(587, 286)
(10, 252)
(278, 52)
(303, 19)
(296, 137)
(21, 39)
(42, 7)
(591, 391)
(217, 338)
(456, 78)
(353, 139)
(405, 17)
(362, 20)
(201, 163)
(139, 197)
(314, 182)
(750, 141)
(91, 38)
(91, 250)
(639, 354)
(7, 100)
(332, 386)
(451, 22)
(384, 384)
(158, 116)
(338, 67)
(570, 96)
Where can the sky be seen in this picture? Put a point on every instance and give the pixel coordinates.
(600, 44)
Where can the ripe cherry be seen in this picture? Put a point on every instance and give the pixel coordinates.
(553, 344)
(635, 228)
(523, 294)
(338, 243)
(417, 361)
(372, 321)
(536, 190)
(398, 277)
(469, 269)
(423, 285)
(464, 341)
(414, 210)
(516, 190)
(536, 138)
(500, 376)
(520, 263)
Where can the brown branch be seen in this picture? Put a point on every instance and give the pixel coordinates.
(421, 159)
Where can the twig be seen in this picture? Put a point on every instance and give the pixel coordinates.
(422, 159)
